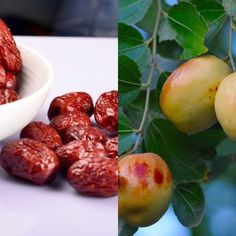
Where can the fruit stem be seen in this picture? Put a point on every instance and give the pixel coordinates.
(230, 45)
(153, 39)
(146, 101)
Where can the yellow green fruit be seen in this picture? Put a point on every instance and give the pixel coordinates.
(145, 189)
(225, 105)
(188, 95)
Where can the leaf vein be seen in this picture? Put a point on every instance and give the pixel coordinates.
(187, 203)
(184, 26)
(129, 82)
(175, 156)
(131, 48)
(131, 71)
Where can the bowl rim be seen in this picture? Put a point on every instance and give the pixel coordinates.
(46, 85)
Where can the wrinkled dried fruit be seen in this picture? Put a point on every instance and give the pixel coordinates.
(7, 79)
(106, 111)
(30, 160)
(42, 132)
(96, 153)
(62, 123)
(83, 133)
(10, 57)
(94, 176)
(2, 77)
(112, 147)
(69, 153)
(7, 96)
(70, 102)
(11, 82)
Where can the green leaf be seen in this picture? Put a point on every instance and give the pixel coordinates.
(210, 10)
(126, 141)
(124, 124)
(209, 154)
(189, 29)
(227, 147)
(141, 147)
(147, 23)
(161, 81)
(230, 7)
(214, 15)
(129, 77)
(132, 11)
(189, 204)
(141, 56)
(126, 98)
(169, 49)
(177, 149)
(208, 138)
(219, 45)
(134, 110)
(131, 44)
(125, 132)
(219, 166)
(129, 38)
(166, 32)
(166, 64)
(126, 230)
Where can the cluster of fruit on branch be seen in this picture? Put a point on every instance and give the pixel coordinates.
(176, 105)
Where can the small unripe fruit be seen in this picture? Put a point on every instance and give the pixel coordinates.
(145, 189)
(225, 105)
(188, 95)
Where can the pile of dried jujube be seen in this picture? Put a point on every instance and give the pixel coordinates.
(70, 143)
(10, 65)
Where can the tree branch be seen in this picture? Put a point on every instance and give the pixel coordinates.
(153, 39)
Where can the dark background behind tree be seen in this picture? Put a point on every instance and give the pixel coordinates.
(95, 18)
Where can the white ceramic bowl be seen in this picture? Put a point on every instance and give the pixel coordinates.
(35, 82)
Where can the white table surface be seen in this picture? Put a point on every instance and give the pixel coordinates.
(80, 64)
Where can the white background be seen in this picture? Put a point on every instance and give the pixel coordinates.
(80, 64)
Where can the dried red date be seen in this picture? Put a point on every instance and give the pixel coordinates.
(7, 96)
(106, 111)
(30, 160)
(94, 176)
(11, 82)
(7, 79)
(10, 57)
(62, 123)
(69, 153)
(93, 145)
(70, 102)
(2, 77)
(42, 132)
(96, 153)
(83, 133)
(112, 147)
